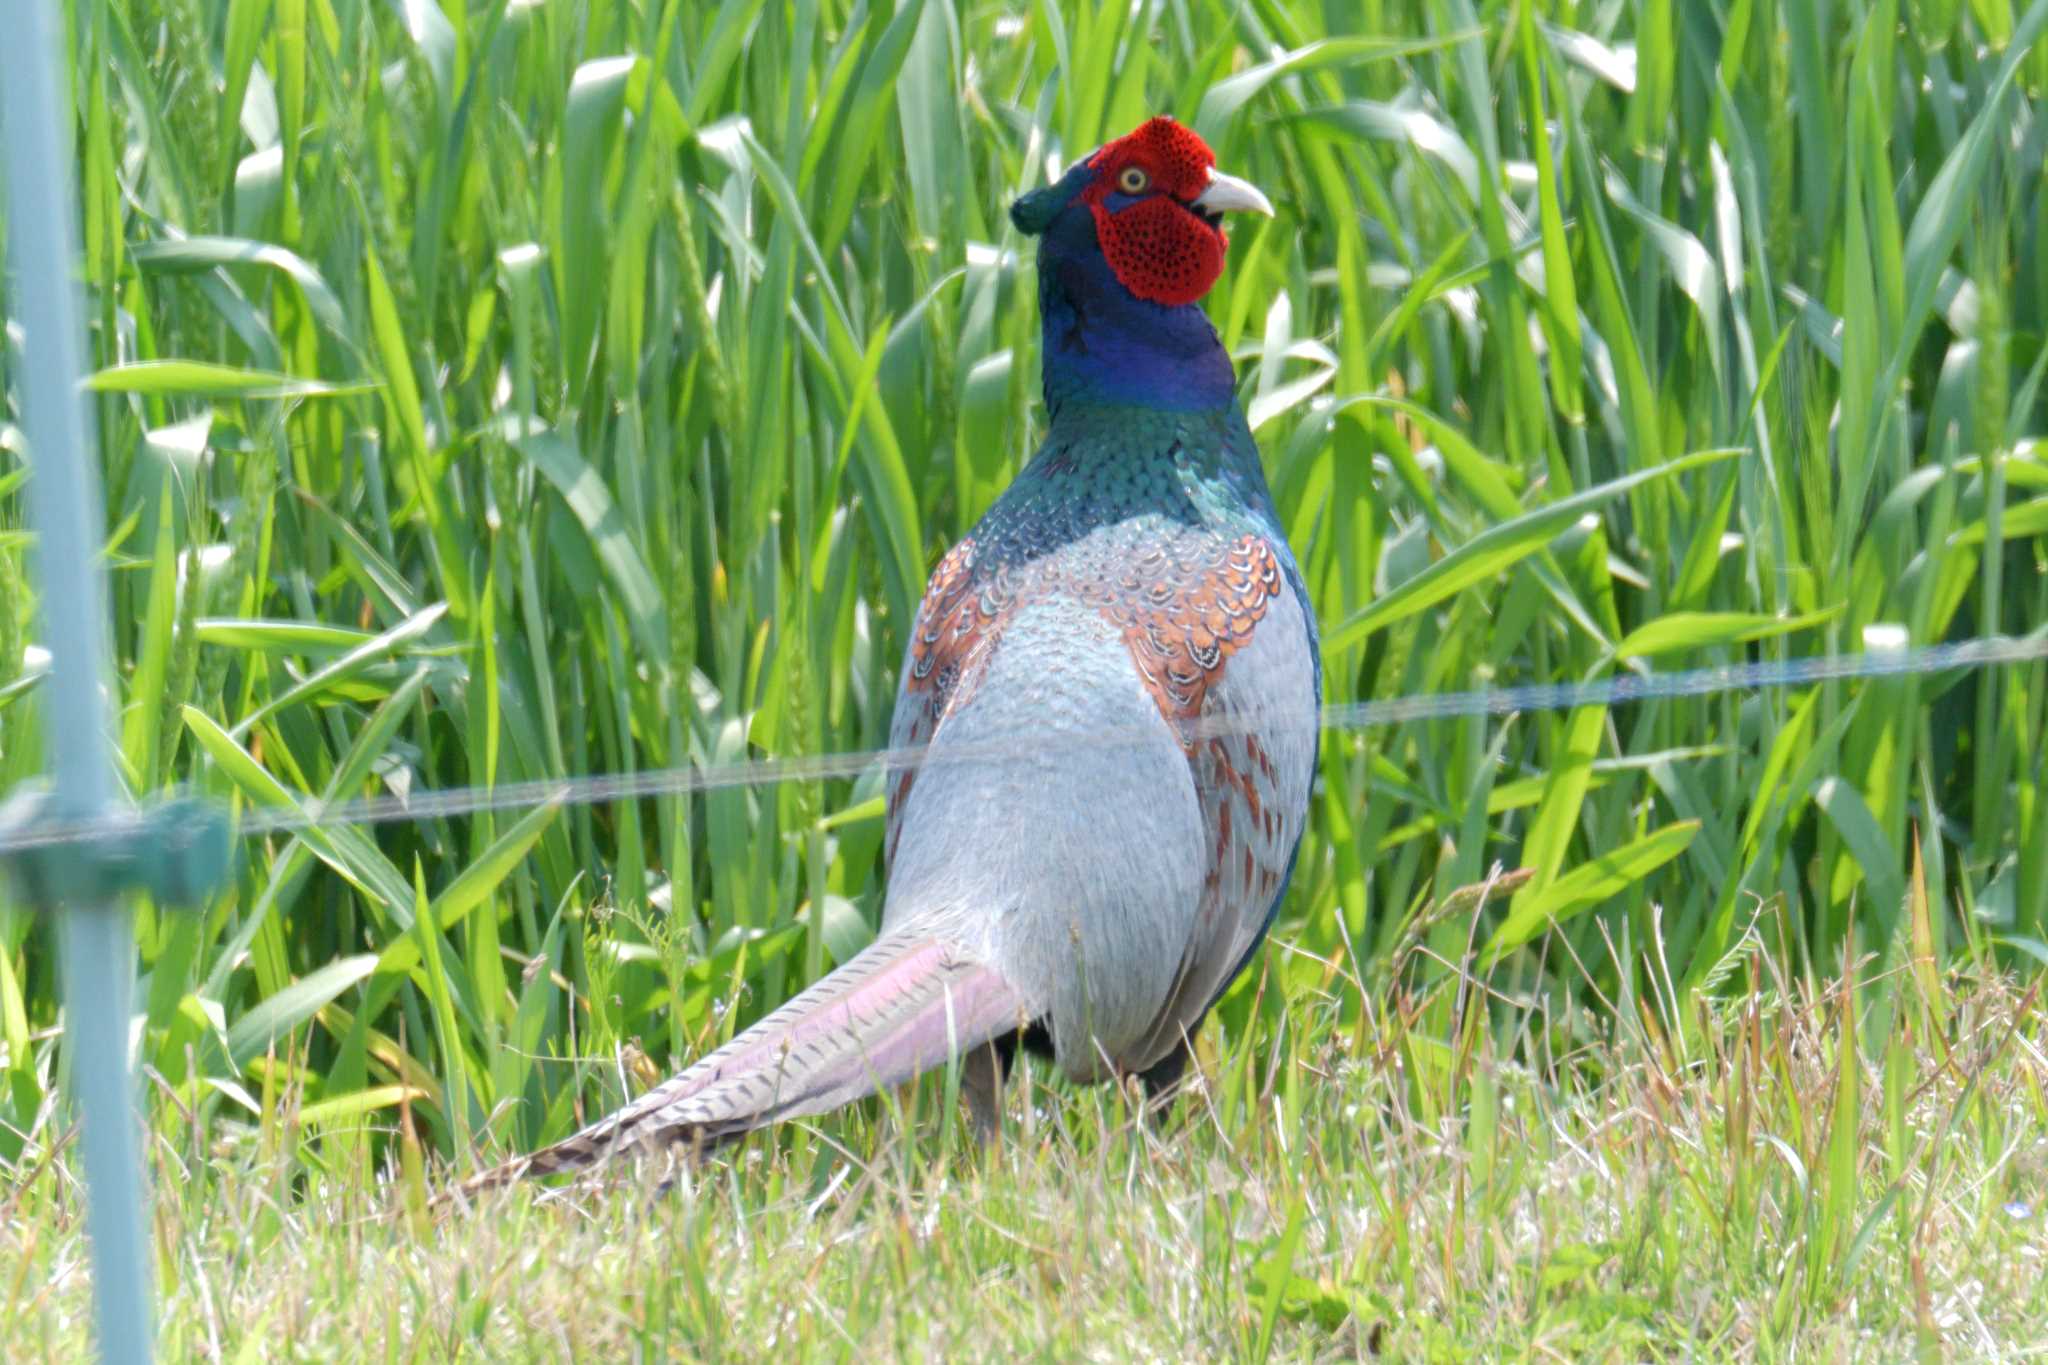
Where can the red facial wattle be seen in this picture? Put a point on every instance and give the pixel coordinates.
(1160, 248)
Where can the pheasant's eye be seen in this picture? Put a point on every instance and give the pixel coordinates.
(1133, 180)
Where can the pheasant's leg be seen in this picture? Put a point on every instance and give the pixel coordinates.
(1162, 1079)
(981, 1085)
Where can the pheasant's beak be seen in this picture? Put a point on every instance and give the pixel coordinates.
(1227, 193)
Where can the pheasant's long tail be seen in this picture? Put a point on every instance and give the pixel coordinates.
(907, 1003)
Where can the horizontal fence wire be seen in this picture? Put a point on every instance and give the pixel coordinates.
(595, 789)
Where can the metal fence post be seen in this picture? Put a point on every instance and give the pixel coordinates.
(64, 498)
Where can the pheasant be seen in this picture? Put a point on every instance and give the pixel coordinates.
(1122, 651)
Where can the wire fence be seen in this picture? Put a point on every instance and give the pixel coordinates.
(693, 779)
(1354, 716)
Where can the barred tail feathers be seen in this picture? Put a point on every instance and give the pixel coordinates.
(906, 1003)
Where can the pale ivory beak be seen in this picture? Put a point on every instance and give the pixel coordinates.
(1227, 193)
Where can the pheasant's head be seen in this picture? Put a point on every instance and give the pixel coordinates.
(1153, 204)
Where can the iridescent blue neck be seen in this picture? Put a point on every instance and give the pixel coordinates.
(1105, 345)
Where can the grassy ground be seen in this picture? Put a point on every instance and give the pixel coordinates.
(1754, 1192)
(502, 392)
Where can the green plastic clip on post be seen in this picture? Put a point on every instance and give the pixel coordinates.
(177, 852)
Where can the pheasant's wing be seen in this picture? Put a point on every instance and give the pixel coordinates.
(1253, 755)
(948, 650)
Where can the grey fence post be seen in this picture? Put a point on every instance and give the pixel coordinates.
(64, 497)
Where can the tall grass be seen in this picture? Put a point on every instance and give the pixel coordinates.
(520, 390)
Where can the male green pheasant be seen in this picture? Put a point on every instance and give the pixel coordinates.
(1125, 632)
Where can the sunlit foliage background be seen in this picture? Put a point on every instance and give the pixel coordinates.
(509, 391)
